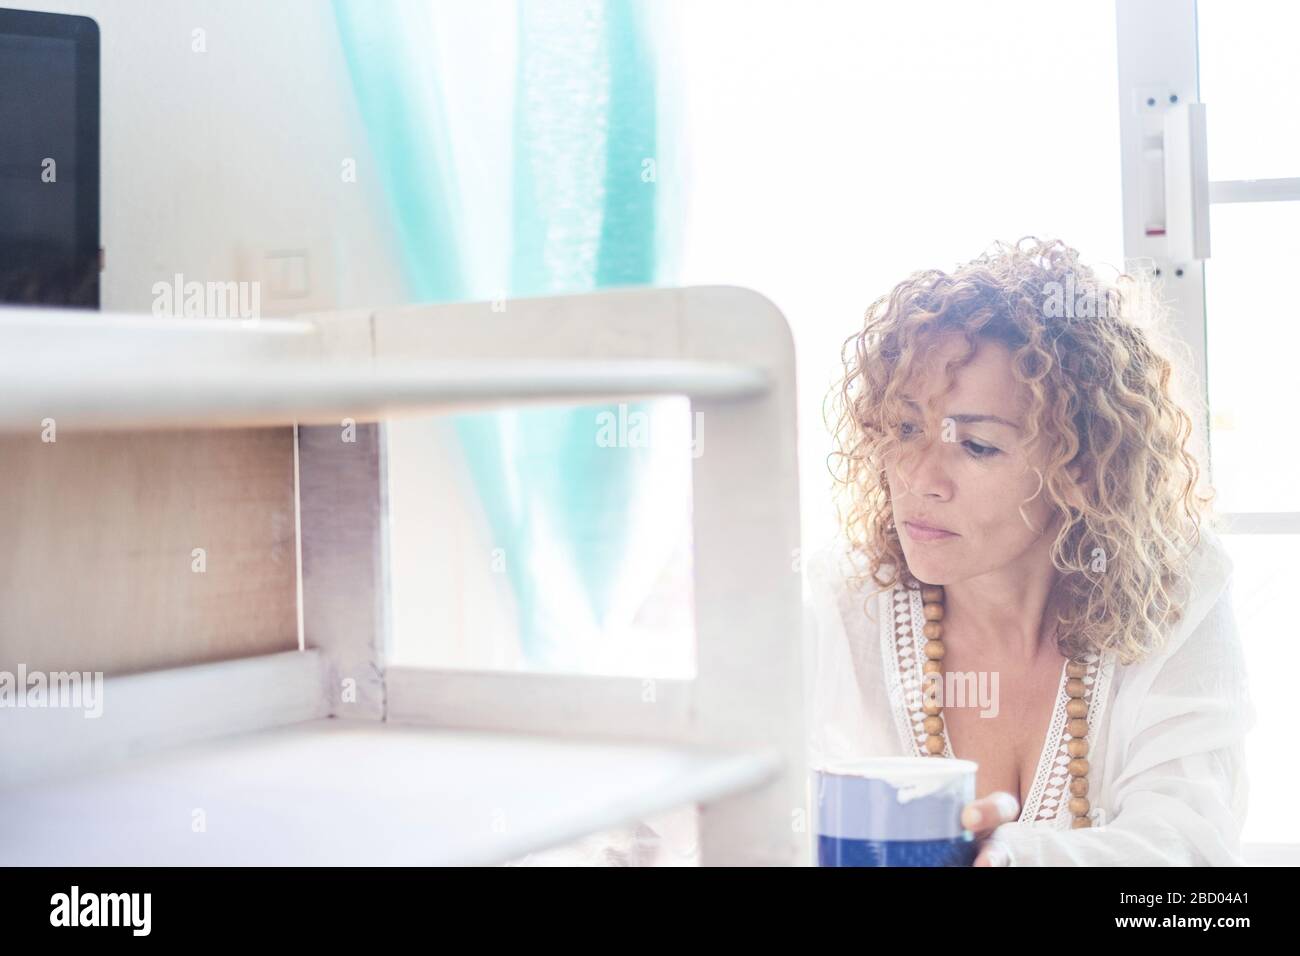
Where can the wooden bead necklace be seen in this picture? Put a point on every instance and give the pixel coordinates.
(1076, 707)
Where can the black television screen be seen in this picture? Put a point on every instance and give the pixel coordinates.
(49, 159)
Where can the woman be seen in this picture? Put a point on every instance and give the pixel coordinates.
(1021, 521)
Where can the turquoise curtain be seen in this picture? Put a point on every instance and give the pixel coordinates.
(583, 216)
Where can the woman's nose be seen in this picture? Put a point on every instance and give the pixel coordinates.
(923, 469)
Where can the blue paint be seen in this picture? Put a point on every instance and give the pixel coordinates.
(833, 851)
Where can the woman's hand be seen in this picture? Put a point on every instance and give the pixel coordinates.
(985, 815)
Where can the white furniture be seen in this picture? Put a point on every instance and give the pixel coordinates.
(327, 755)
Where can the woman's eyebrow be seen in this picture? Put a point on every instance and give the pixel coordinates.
(967, 418)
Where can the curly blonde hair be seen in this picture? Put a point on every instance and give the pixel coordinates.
(1102, 399)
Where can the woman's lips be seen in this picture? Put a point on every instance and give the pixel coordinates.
(920, 532)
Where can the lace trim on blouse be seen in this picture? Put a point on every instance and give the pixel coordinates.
(902, 643)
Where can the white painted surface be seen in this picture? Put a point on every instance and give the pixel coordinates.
(153, 711)
(80, 396)
(578, 704)
(1156, 54)
(343, 792)
(378, 793)
(748, 620)
(1255, 190)
(343, 516)
(138, 372)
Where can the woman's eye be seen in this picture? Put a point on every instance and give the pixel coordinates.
(977, 450)
(973, 448)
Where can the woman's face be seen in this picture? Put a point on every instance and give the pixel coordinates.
(967, 471)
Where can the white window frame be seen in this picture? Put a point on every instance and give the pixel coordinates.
(1157, 54)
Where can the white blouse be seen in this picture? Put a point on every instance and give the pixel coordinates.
(1167, 770)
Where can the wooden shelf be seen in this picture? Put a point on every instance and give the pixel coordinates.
(279, 764)
(357, 792)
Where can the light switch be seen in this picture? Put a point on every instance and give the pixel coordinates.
(287, 275)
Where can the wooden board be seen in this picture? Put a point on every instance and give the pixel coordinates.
(99, 535)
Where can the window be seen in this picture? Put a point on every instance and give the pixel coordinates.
(1239, 319)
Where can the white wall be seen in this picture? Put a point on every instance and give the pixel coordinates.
(211, 160)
